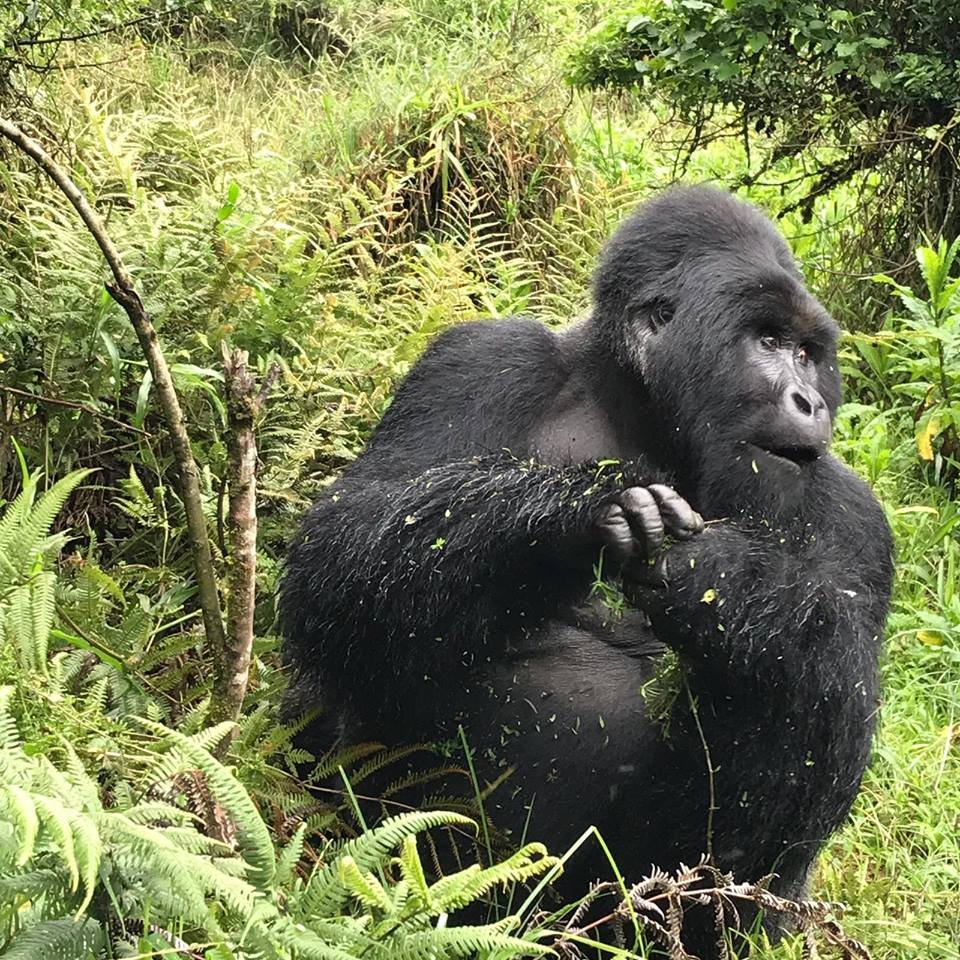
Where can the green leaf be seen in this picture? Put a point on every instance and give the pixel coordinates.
(55, 819)
(65, 939)
(143, 398)
(22, 815)
(252, 833)
(363, 885)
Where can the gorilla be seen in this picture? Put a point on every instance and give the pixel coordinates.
(544, 520)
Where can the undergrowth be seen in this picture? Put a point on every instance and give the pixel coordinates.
(331, 203)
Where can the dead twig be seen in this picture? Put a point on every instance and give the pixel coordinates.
(657, 904)
(124, 293)
(73, 405)
(244, 403)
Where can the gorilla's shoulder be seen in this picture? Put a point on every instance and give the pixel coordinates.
(478, 388)
(488, 363)
(504, 344)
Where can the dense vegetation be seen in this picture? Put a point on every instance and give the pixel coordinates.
(852, 91)
(327, 185)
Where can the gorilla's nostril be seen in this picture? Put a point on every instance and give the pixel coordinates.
(803, 404)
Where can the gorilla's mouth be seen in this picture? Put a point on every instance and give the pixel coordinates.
(798, 455)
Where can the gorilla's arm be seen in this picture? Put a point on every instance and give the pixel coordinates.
(439, 546)
(414, 574)
(752, 603)
(437, 538)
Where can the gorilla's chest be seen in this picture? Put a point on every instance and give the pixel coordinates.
(579, 432)
(576, 428)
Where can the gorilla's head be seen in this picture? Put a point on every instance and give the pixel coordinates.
(697, 295)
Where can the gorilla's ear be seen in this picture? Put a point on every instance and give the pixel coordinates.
(653, 313)
(660, 313)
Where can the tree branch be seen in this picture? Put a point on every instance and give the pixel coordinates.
(244, 403)
(73, 405)
(123, 292)
(102, 31)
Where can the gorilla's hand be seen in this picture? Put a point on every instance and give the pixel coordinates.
(698, 591)
(634, 524)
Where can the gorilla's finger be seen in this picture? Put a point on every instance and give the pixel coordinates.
(615, 532)
(643, 514)
(680, 519)
(641, 574)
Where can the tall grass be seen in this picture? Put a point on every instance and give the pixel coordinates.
(336, 208)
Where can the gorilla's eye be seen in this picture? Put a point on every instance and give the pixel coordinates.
(803, 355)
(770, 342)
(662, 314)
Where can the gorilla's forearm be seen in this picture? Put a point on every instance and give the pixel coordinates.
(758, 609)
(431, 570)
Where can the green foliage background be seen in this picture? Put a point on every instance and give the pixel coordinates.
(329, 185)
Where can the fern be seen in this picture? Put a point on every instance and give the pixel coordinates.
(27, 589)
(25, 538)
(147, 858)
(254, 838)
(74, 865)
(326, 893)
(460, 942)
(472, 884)
(9, 734)
(290, 856)
(62, 939)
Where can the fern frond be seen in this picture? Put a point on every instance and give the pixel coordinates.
(466, 886)
(325, 893)
(305, 944)
(9, 732)
(460, 943)
(55, 820)
(344, 757)
(411, 869)
(191, 840)
(22, 814)
(153, 811)
(290, 856)
(52, 782)
(64, 939)
(89, 852)
(30, 617)
(31, 885)
(82, 785)
(148, 854)
(25, 540)
(252, 833)
(13, 518)
(385, 758)
(363, 885)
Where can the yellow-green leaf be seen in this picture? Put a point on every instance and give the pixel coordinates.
(925, 438)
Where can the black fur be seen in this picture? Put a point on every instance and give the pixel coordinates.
(445, 578)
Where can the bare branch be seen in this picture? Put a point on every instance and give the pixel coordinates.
(244, 403)
(124, 293)
(73, 405)
(102, 31)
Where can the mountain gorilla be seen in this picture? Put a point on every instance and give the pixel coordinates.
(449, 577)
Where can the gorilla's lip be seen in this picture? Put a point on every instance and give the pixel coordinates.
(798, 456)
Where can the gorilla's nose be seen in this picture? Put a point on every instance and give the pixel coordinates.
(807, 418)
(807, 401)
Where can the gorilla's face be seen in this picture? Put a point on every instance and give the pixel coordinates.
(741, 368)
(698, 299)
